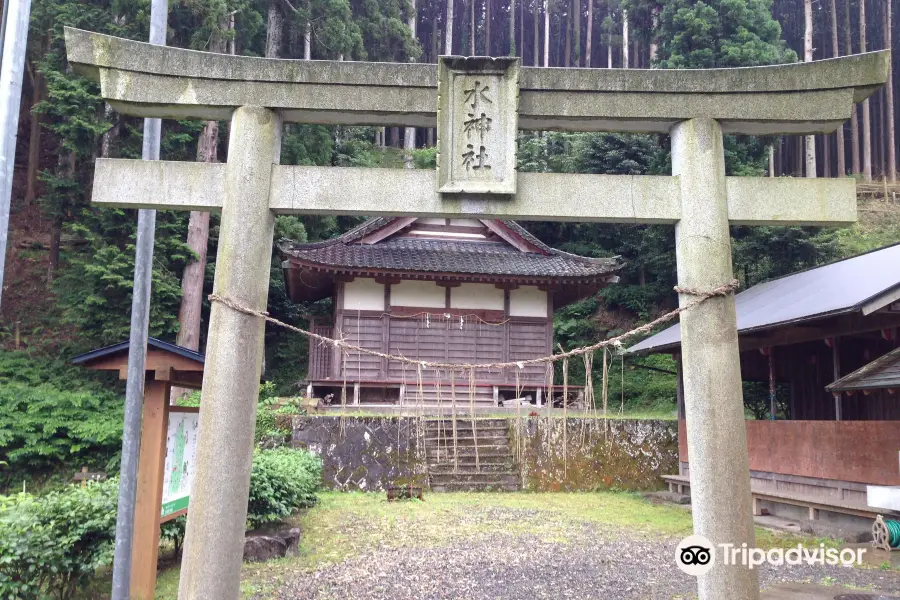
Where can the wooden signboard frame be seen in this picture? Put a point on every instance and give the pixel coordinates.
(168, 366)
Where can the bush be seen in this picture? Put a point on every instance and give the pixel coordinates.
(173, 531)
(281, 481)
(43, 427)
(273, 421)
(50, 546)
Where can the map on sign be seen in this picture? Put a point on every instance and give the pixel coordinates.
(181, 442)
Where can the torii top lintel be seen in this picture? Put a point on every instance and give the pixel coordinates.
(144, 80)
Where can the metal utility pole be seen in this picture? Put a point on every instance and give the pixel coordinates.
(137, 348)
(15, 38)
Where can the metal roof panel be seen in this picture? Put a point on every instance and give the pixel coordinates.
(839, 287)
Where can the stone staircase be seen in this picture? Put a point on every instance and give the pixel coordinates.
(493, 469)
(429, 396)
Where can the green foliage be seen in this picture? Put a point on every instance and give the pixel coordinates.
(703, 34)
(385, 35)
(647, 391)
(173, 531)
(763, 253)
(54, 416)
(282, 480)
(272, 416)
(757, 401)
(310, 145)
(425, 158)
(43, 428)
(51, 546)
(698, 34)
(95, 290)
(25, 368)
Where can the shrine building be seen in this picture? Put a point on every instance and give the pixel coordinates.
(441, 290)
(823, 345)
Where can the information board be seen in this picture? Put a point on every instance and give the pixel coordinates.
(181, 443)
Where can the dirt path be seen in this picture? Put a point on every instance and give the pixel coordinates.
(519, 547)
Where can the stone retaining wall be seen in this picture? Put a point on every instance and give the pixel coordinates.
(599, 454)
(363, 453)
(370, 453)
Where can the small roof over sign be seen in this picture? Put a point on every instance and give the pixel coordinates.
(849, 285)
(882, 373)
(122, 347)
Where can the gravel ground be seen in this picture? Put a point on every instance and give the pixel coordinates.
(589, 561)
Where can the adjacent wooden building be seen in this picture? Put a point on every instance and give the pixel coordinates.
(824, 343)
(447, 290)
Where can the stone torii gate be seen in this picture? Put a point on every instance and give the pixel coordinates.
(482, 103)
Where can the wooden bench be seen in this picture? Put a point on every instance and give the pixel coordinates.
(813, 503)
(678, 483)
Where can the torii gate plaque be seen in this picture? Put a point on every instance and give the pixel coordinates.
(695, 107)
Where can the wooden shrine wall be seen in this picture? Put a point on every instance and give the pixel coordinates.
(431, 335)
(856, 451)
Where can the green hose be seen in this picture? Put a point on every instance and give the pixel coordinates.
(893, 528)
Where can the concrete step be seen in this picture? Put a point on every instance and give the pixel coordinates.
(502, 477)
(466, 422)
(445, 462)
(467, 440)
(466, 428)
(492, 486)
(469, 466)
(484, 450)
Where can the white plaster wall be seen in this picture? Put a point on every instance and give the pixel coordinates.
(430, 221)
(425, 294)
(363, 294)
(527, 301)
(465, 223)
(482, 296)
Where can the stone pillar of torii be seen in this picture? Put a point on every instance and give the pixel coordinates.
(478, 105)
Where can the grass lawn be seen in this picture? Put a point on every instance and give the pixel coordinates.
(344, 525)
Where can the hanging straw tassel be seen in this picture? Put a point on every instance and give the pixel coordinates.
(474, 424)
(419, 410)
(565, 367)
(344, 355)
(519, 440)
(605, 393)
(588, 395)
(453, 411)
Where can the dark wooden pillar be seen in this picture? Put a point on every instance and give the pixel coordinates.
(836, 363)
(773, 404)
(679, 386)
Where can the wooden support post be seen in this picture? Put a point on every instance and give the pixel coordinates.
(836, 363)
(773, 405)
(757, 506)
(679, 386)
(151, 467)
(356, 393)
(402, 393)
(813, 513)
(496, 396)
(537, 398)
